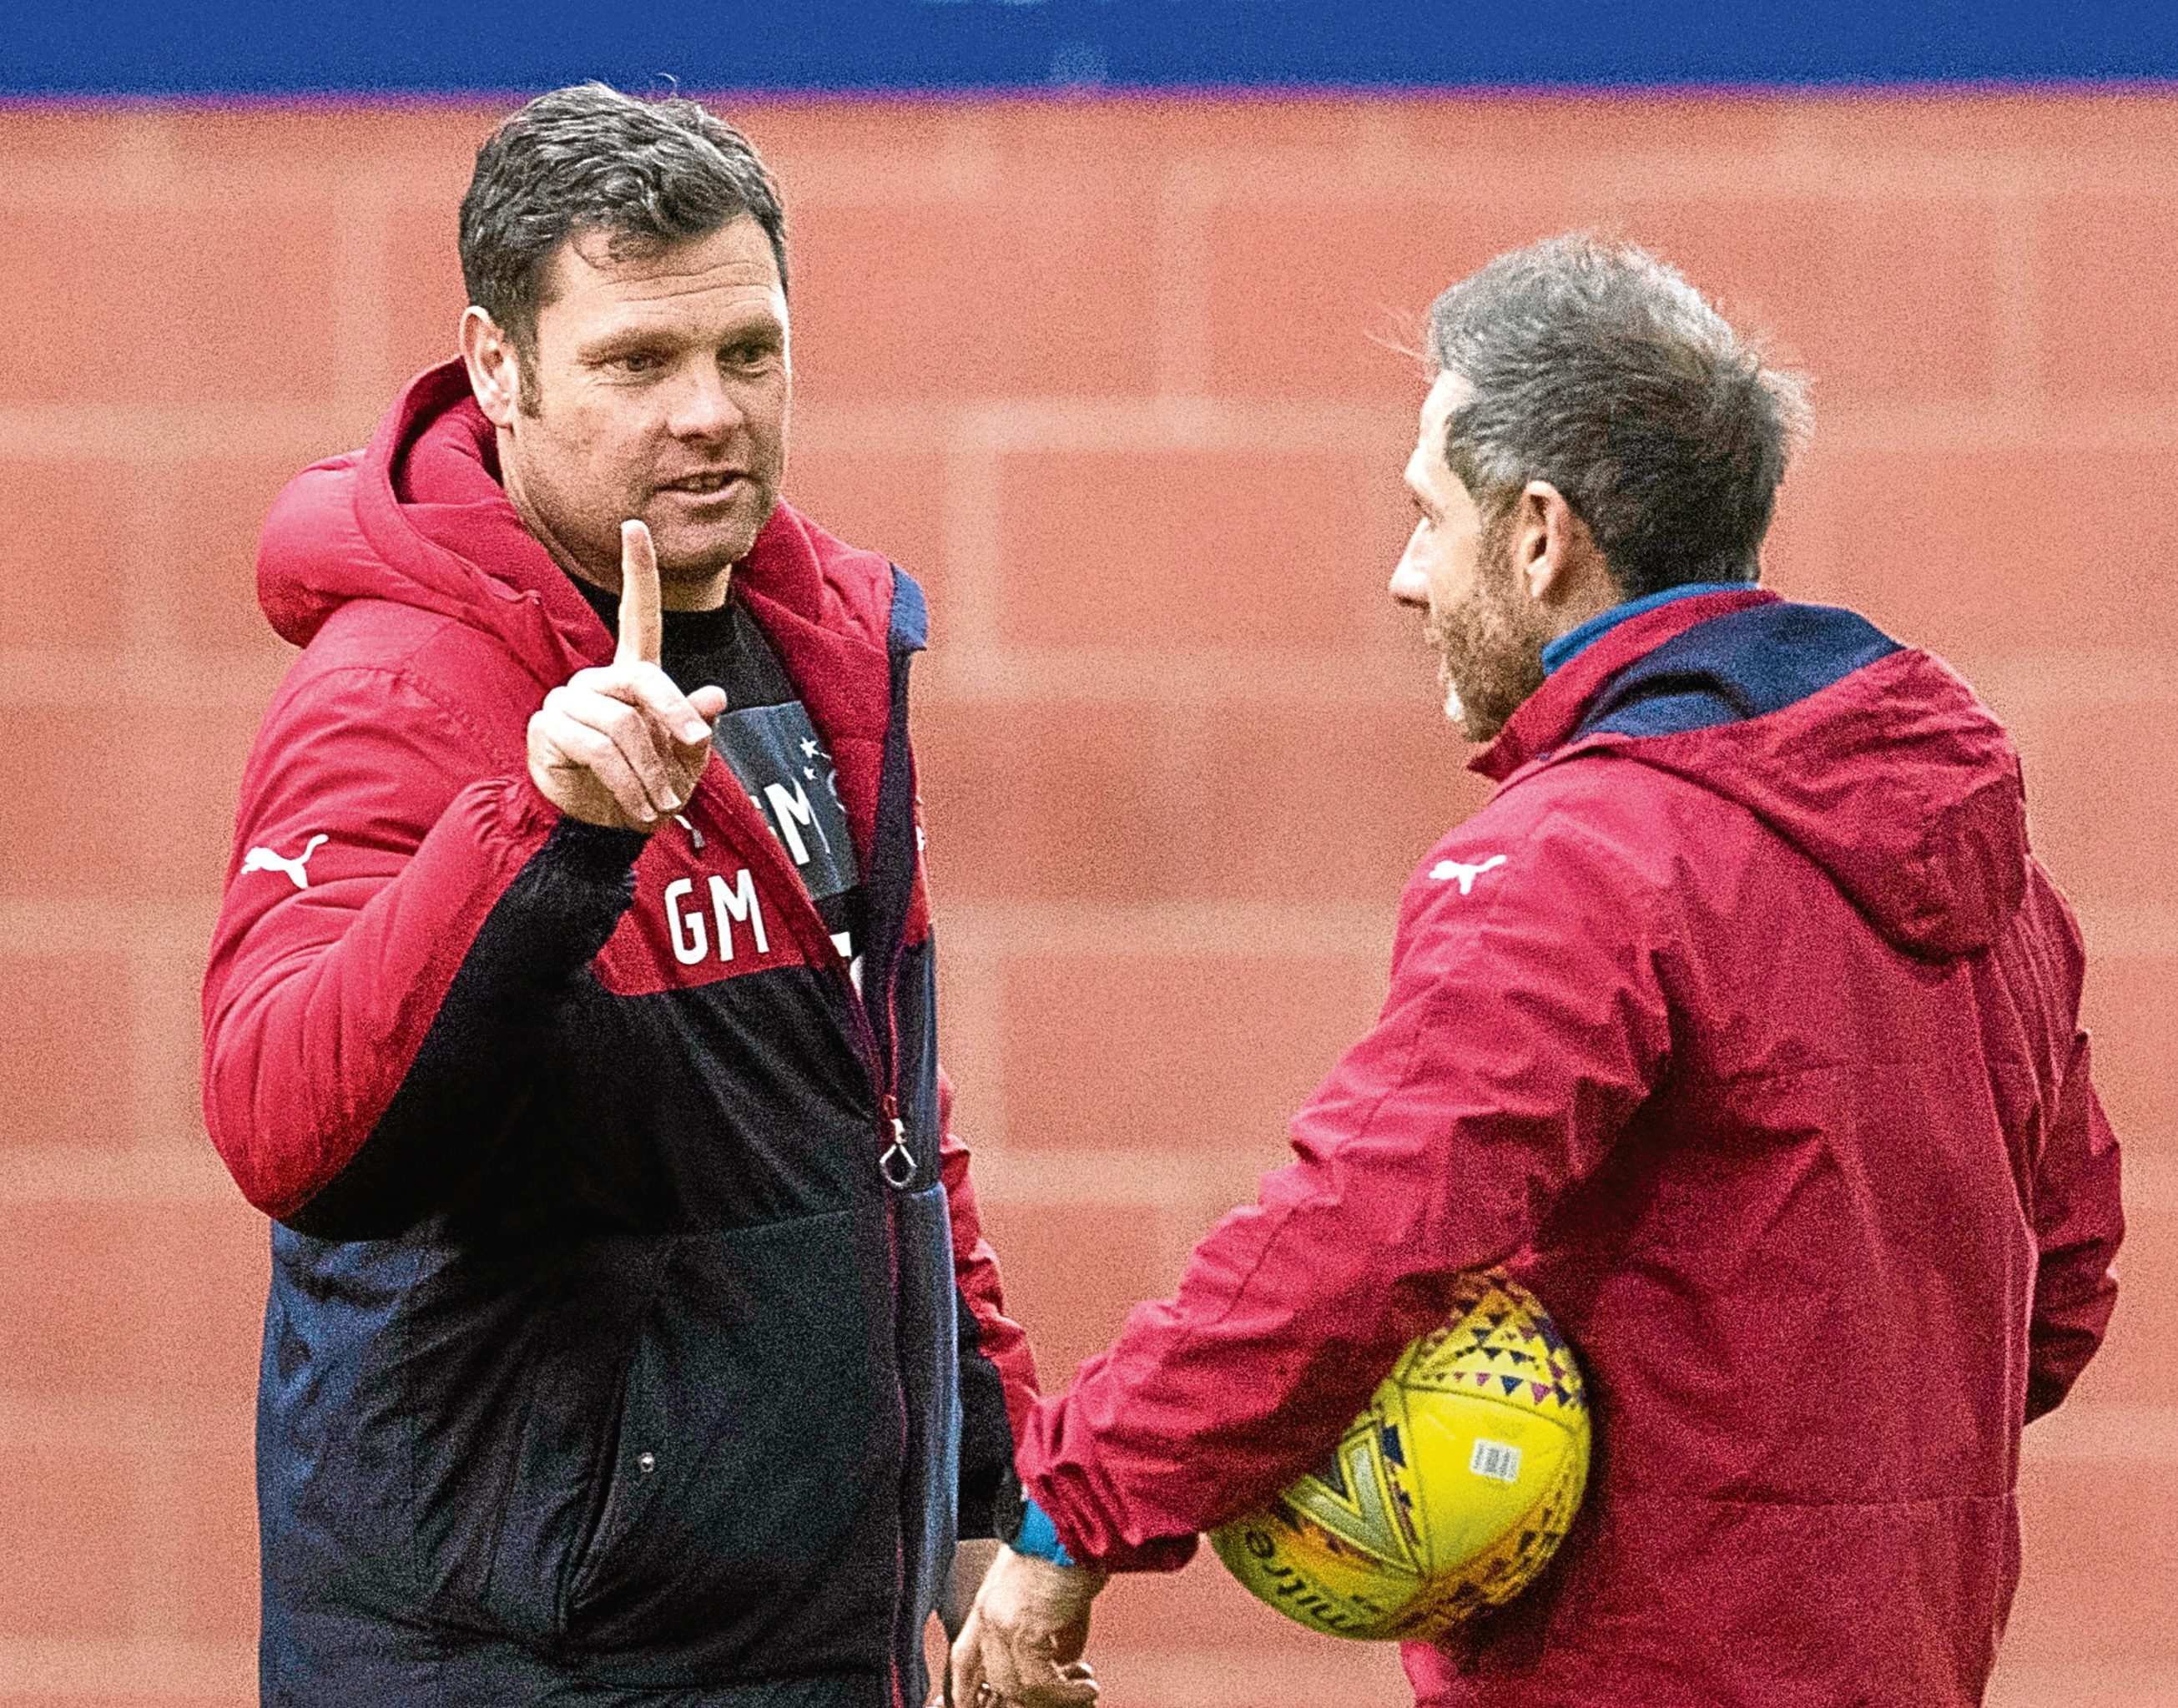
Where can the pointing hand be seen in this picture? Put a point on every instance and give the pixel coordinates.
(620, 745)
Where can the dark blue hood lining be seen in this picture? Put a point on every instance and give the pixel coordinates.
(1745, 664)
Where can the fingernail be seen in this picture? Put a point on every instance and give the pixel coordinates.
(694, 731)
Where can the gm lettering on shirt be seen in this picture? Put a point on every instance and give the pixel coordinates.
(697, 923)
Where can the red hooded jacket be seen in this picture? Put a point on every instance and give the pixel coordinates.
(1751, 1038)
(611, 1347)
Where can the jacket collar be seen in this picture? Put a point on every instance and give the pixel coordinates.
(1553, 712)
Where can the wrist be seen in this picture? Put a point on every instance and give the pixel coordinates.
(1037, 1537)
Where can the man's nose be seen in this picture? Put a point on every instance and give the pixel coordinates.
(1410, 585)
(703, 408)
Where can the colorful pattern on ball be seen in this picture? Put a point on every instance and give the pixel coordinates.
(1449, 1492)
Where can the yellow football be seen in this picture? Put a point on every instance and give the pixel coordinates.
(1447, 1495)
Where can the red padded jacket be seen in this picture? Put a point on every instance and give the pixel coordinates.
(1742, 1022)
(608, 1350)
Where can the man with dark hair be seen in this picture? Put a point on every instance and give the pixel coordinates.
(1741, 1024)
(631, 1337)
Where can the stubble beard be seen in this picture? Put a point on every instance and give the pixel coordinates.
(1489, 647)
(724, 548)
(587, 543)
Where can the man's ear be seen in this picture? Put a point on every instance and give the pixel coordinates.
(495, 366)
(1558, 555)
(1542, 539)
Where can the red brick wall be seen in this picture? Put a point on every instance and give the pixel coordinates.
(1112, 379)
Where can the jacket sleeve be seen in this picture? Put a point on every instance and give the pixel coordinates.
(2079, 1221)
(369, 1008)
(998, 1371)
(1526, 1022)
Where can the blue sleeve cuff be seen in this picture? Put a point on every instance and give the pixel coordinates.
(1038, 1538)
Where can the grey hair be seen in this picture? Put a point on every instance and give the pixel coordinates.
(1597, 367)
(587, 158)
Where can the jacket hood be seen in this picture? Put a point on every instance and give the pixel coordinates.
(418, 516)
(1875, 760)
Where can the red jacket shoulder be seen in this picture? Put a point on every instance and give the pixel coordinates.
(857, 583)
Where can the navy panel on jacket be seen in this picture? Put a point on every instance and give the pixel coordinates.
(1742, 664)
(643, 1386)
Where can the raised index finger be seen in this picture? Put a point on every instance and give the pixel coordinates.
(640, 626)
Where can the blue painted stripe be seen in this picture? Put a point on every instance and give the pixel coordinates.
(206, 48)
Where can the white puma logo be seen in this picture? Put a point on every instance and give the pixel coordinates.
(265, 860)
(1466, 874)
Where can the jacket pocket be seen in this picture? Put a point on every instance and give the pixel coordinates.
(755, 1455)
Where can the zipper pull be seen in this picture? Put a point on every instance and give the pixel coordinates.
(897, 1164)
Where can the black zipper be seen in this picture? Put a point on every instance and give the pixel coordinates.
(888, 888)
(896, 1160)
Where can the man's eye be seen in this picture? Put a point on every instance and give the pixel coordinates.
(748, 357)
(636, 362)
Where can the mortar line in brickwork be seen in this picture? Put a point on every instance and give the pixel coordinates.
(60, 925)
(2018, 261)
(142, 165)
(164, 1022)
(151, 435)
(971, 1028)
(157, 672)
(1383, 145)
(1348, 1675)
(2151, 1176)
(1147, 1177)
(1203, 423)
(153, 177)
(970, 160)
(975, 575)
(30, 1420)
(1999, 425)
(966, 164)
(2083, 1684)
(158, 1558)
(1389, 681)
(1179, 423)
(183, 1170)
(2119, 929)
(1182, 296)
(153, 511)
(104, 1669)
(1270, 930)
(1823, 153)
(363, 377)
(1804, 163)
(825, 428)
(2089, 676)
(2089, 1431)
(149, 1038)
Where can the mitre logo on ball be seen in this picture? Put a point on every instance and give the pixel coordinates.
(1446, 1495)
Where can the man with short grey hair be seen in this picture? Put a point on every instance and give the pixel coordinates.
(632, 1339)
(1741, 1024)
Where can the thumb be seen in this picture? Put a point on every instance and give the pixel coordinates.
(964, 1666)
(640, 625)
